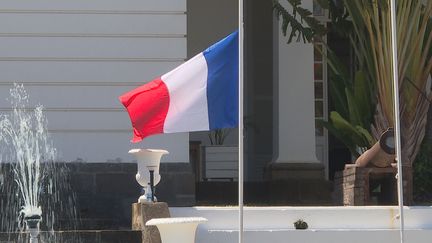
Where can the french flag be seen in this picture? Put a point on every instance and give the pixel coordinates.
(199, 95)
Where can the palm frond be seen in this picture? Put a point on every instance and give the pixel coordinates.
(300, 23)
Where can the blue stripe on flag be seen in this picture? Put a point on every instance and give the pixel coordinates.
(222, 82)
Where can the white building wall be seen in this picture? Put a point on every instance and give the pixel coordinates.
(75, 57)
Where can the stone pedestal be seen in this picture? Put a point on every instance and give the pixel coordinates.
(361, 186)
(143, 212)
(177, 230)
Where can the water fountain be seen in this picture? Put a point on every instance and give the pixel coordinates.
(34, 190)
(31, 201)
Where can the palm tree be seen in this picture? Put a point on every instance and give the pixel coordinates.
(371, 21)
(371, 40)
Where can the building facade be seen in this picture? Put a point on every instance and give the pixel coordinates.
(76, 57)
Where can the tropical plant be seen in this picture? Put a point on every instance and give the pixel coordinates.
(351, 119)
(300, 22)
(297, 27)
(353, 97)
(371, 38)
(422, 170)
(372, 33)
(217, 136)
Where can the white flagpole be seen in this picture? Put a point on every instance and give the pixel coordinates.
(240, 119)
(397, 117)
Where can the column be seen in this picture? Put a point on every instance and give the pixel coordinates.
(294, 127)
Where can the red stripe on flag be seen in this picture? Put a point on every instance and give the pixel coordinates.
(147, 106)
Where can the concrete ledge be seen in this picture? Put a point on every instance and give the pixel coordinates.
(182, 220)
(326, 224)
(275, 218)
(315, 236)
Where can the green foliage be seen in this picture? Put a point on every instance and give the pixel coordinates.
(353, 98)
(338, 15)
(354, 137)
(422, 174)
(373, 46)
(354, 102)
(297, 28)
(217, 137)
(369, 30)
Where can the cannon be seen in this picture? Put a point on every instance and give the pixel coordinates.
(381, 154)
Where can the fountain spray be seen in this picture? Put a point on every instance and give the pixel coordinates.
(25, 131)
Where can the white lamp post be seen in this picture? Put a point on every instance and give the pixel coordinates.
(147, 160)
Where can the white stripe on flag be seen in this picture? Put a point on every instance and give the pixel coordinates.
(187, 87)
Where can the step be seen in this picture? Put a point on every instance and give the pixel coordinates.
(82, 236)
